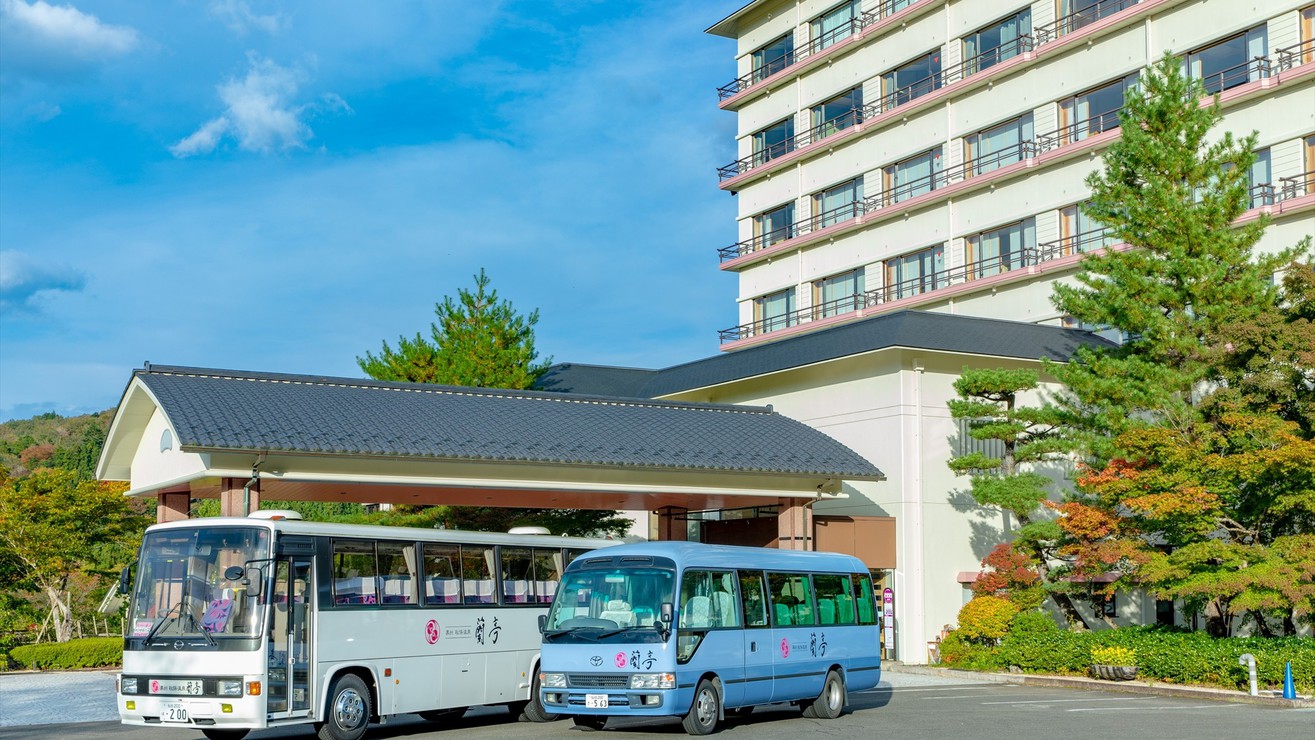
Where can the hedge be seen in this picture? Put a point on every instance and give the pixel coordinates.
(1163, 654)
(89, 652)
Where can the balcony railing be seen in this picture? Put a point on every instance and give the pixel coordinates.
(1080, 18)
(1296, 186)
(1294, 56)
(1256, 68)
(848, 119)
(988, 59)
(838, 215)
(771, 67)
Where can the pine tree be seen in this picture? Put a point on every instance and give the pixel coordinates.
(478, 341)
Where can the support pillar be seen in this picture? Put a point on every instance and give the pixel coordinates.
(230, 497)
(172, 506)
(671, 523)
(794, 525)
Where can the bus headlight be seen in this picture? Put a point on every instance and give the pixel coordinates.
(653, 681)
(127, 685)
(230, 687)
(552, 680)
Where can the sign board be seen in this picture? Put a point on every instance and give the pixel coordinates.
(888, 619)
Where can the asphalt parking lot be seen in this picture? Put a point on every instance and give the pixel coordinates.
(904, 706)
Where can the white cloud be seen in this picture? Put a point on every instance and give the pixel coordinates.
(240, 19)
(259, 113)
(52, 41)
(23, 278)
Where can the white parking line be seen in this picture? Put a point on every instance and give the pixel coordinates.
(1145, 709)
(1058, 701)
(959, 696)
(968, 687)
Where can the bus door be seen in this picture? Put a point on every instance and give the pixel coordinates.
(757, 639)
(290, 625)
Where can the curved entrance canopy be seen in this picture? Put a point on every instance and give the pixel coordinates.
(200, 433)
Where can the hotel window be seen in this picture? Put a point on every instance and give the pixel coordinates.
(1000, 250)
(997, 42)
(837, 203)
(915, 273)
(834, 25)
(837, 114)
(774, 226)
(773, 141)
(911, 177)
(1094, 111)
(1228, 63)
(911, 80)
(773, 58)
(774, 311)
(1305, 182)
(997, 146)
(1260, 182)
(1308, 35)
(838, 294)
(1079, 232)
(1075, 14)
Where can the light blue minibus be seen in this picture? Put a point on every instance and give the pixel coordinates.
(701, 631)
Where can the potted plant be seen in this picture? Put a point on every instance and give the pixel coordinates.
(1114, 663)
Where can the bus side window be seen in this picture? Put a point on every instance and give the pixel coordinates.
(397, 572)
(751, 599)
(696, 600)
(354, 572)
(831, 589)
(442, 574)
(547, 574)
(477, 584)
(517, 574)
(867, 607)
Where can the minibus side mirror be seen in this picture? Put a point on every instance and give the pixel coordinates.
(125, 578)
(543, 623)
(666, 613)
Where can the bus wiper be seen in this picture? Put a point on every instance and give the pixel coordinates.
(609, 633)
(168, 617)
(204, 633)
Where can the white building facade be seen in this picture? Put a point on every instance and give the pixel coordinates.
(930, 155)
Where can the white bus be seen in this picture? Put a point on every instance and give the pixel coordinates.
(238, 624)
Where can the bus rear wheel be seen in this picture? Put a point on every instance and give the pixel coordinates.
(348, 713)
(214, 733)
(831, 702)
(704, 711)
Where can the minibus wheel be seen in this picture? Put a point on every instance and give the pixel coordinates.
(831, 702)
(348, 713)
(704, 711)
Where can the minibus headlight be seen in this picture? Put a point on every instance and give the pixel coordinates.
(127, 685)
(653, 681)
(552, 680)
(230, 687)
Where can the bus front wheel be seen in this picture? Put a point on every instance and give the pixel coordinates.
(348, 713)
(831, 702)
(704, 711)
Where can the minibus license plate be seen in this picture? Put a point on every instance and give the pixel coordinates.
(173, 713)
(595, 701)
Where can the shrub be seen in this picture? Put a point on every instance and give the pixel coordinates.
(90, 652)
(1113, 655)
(959, 651)
(986, 617)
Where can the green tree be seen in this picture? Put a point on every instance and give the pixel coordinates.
(1198, 425)
(478, 341)
(55, 526)
(1026, 436)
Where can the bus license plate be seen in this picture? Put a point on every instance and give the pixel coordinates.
(595, 701)
(174, 713)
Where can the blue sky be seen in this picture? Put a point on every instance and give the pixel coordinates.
(281, 186)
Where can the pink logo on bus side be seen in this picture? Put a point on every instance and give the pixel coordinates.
(620, 660)
(785, 648)
(431, 631)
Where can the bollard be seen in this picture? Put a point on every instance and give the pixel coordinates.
(1247, 659)
(1289, 686)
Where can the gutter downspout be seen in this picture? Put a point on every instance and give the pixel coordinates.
(255, 481)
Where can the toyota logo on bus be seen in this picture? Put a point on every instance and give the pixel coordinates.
(596, 661)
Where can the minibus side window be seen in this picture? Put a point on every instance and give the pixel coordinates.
(752, 599)
(867, 607)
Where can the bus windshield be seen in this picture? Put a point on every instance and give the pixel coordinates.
(190, 584)
(598, 604)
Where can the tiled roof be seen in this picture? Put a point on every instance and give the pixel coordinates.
(912, 329)
(232, 410)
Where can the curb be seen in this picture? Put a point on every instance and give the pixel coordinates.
(1089, 684)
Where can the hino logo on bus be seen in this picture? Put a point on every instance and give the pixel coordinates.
(178, 644)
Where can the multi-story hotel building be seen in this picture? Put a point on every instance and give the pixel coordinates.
(908, 177)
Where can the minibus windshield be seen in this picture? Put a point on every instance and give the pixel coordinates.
(607, 604)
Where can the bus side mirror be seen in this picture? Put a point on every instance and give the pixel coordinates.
(666, 614)
(125, 579)
(543, 623)
(252, 579)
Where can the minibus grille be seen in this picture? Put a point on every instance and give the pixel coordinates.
(597, 680)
